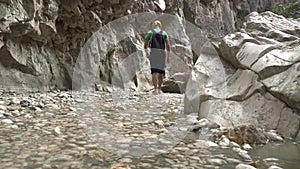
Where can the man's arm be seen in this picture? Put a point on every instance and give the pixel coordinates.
(146, 43)
(168, 46)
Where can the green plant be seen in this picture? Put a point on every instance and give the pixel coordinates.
(285, 9)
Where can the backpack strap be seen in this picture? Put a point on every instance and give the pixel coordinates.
(150, 41)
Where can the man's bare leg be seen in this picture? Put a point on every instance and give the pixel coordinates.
(160, 81)
(154, 81)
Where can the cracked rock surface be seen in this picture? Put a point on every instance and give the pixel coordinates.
(263, 89)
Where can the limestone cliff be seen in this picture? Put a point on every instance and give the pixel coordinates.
(260, 86)
(40, 40)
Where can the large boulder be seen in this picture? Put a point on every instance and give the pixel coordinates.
(272, 51)
(264, 90)
(286, 85)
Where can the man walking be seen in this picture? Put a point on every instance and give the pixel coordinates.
(157, 40)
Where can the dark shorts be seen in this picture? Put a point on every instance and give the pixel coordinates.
(158, 61)
(153, 70)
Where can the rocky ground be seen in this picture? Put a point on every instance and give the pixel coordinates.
(63, 129)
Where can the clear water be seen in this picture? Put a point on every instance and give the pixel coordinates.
(287, 153)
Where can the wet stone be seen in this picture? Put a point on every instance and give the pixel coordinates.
(244, 166)
(274, 167)
(216, 161)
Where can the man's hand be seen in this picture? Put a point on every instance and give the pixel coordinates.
(147, 53)
(168, 57)
(146, 43)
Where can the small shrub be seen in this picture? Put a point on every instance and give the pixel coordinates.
(285, 9)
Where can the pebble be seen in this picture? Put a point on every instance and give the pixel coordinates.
(52, 106)
(2, 107)
(1, 113)
(274, 136)
(244, 166)
(205, 143)
(15, 101)
(159, 122)
(245, 156)
(57, 130)
(80, 101)
(7, 121)
(203, 122)
(247, 147)
(216, 161)
(274, 167)
(211, 144)
(72, 109)
(14, 127)
(234, 144)
(125, 160)
(145, 165)
(37, 109)
(192, 118)
(233, 160)
(28, 116)
(224, 141)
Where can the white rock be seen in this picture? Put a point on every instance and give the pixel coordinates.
(37, 109)
(211, 144)
(15, 100)
(159, 122)
(80, 100)
(245, 156)
(124, 140)
(224, 141)
(53, 106)
(244, 166)
(7, 121)
(14, 127)
(233, 160)
(273, 136)
(57, 130)
(28, 116)
(274, 167)
(234, 144)
(192, 119)
(161, 4)
(72, 109)
(238, 150)
(203, 122)
(16, 113)
(271, 160)
(2, 107)
(247, 147)
(216, 161)
(126, 160)
(49, 114)
(2, 102)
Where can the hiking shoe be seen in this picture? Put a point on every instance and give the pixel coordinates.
(155, 92)
(159, 91)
